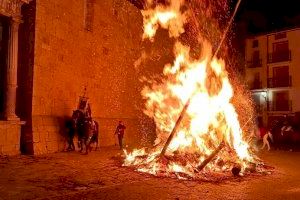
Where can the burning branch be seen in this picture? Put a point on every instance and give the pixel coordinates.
(211, 156)
(175, 127)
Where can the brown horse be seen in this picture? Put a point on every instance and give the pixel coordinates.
(87, 130)
(91, 134)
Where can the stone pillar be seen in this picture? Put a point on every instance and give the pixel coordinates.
(11, 90)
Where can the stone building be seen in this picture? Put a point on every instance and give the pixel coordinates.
(51, 50)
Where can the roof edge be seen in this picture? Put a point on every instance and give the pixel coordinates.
(286, 29)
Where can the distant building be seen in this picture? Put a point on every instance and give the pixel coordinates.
(273, 73)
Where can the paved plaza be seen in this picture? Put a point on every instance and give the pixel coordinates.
(100, 176)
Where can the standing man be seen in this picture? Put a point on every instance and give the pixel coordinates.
(120, 132)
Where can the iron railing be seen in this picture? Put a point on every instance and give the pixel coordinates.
(255, 85)
(280, 82)
(254, 63)
(279, 56)
(283, 105)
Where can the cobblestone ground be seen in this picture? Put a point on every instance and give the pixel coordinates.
(99, 176)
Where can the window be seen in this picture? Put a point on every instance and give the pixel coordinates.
(281, 77)
(256, 61)
(256, 76)
(282, 71)
(255, 43)
(88, 15)
(279, 36)
(281, 101)
(281, 46)
(256, 81)
(255, 56)
(280, 52)
(256, 99)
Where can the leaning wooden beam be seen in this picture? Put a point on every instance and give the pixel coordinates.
(175, 127)
(187, 104)
(211, 156)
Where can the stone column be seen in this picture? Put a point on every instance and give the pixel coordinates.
(11, 90)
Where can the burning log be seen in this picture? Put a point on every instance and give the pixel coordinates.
(211, 156)
(175, 127)
(236, 169)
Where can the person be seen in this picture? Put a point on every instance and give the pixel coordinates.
(120, 132)
(266, 136)
(286, 125)
(71, 133)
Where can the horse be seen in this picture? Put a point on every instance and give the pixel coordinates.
(91, 134)
(78, 120)
(87, 130)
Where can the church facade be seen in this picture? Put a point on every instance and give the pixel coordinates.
(51, 51)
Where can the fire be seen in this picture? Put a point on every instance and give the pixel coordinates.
(211, 118)
(166, 17)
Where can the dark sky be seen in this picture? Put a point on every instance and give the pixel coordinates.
(268, 15)
(256, 16)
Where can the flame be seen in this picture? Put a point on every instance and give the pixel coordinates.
(210, 118)
(166, 17)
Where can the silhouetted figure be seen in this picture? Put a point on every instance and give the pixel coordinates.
(92, 133)
(286, 125)
(120, 132)
(80, 127)
(70, 133)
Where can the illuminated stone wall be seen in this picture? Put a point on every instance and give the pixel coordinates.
(69, 57)
(9, 138)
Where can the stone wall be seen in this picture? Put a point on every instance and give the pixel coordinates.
(10, 137)
(68, 58)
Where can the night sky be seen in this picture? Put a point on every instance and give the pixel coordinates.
(256, 16)
(267, 15)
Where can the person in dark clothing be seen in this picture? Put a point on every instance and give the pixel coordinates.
(286, 127)
(70, 134)
(120, 132)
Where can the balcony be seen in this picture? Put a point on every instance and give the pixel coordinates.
(254, 63)
(279, 56)
(280, 82)
(255, 85)
(285, 105)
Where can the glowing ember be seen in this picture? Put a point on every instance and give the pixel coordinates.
(211, 118)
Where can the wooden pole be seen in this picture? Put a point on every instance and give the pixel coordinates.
(211, 156)
(189, 100)
(175, 127)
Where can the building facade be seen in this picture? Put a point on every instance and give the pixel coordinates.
(10, 125)
(273, 73)
(51, 50)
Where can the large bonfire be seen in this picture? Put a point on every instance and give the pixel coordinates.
(209, 137)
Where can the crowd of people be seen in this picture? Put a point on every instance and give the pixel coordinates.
(282, 133)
